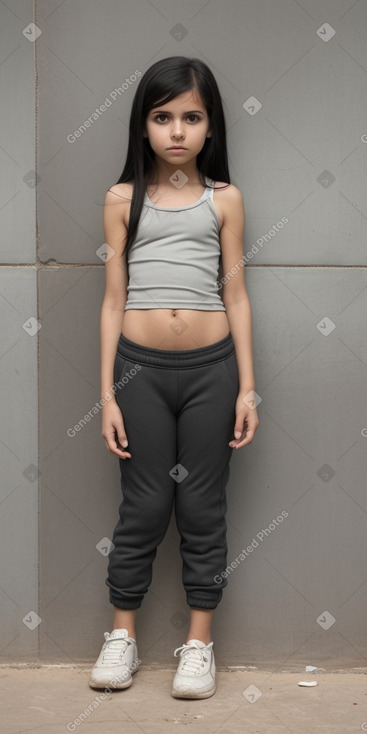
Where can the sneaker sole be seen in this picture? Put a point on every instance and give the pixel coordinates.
(113, 686)
(177, 693)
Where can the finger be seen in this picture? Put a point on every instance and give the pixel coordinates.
(245, 441)
(239, 431)
(244, 424)
(115, 448)
(245, 438)
(119, 452)
(122, 438)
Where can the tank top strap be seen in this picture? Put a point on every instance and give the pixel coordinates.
(210, 183)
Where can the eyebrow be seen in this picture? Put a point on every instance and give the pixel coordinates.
(165, 112)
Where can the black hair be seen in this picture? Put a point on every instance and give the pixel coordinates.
(162, 82)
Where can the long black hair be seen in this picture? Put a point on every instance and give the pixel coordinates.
(163, 81)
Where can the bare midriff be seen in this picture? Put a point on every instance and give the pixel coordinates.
(172, 328)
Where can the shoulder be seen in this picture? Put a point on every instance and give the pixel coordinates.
(117, 203)
(119, 194)
(228, 201)
(228, 192)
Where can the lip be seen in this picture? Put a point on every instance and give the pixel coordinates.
(177, 147)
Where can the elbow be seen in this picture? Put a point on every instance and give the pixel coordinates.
(236, 300)
(113, 304)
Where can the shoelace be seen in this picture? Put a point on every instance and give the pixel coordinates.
(114, 649)
(193, 657)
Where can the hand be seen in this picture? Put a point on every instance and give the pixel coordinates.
(246, 423)
(113, 430)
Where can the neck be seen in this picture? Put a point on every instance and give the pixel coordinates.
(164, 170)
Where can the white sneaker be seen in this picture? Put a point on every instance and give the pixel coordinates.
(195, 676)
(117, 661)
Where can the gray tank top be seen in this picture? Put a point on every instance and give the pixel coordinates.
(174, 259)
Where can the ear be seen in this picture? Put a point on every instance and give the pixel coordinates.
(209, 134)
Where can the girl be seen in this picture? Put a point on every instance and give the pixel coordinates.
(176, 359)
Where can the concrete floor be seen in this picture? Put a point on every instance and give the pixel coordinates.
(51, 700)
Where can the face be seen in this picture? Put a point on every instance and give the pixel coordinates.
(177, 130)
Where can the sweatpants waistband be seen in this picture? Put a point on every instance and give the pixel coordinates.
(175, 358)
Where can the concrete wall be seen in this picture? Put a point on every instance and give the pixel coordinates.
(298, 153)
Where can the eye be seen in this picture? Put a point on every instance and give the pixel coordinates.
(193, 118)
(158, 117)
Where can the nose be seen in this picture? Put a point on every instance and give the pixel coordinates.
(177, 130)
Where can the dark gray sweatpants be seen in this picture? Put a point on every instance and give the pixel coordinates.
(179, 413)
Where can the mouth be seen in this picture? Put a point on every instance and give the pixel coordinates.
(177, 147)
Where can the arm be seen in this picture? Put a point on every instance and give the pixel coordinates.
(112, 313)
(236, 301)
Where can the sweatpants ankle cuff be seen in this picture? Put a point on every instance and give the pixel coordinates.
(202, 603)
